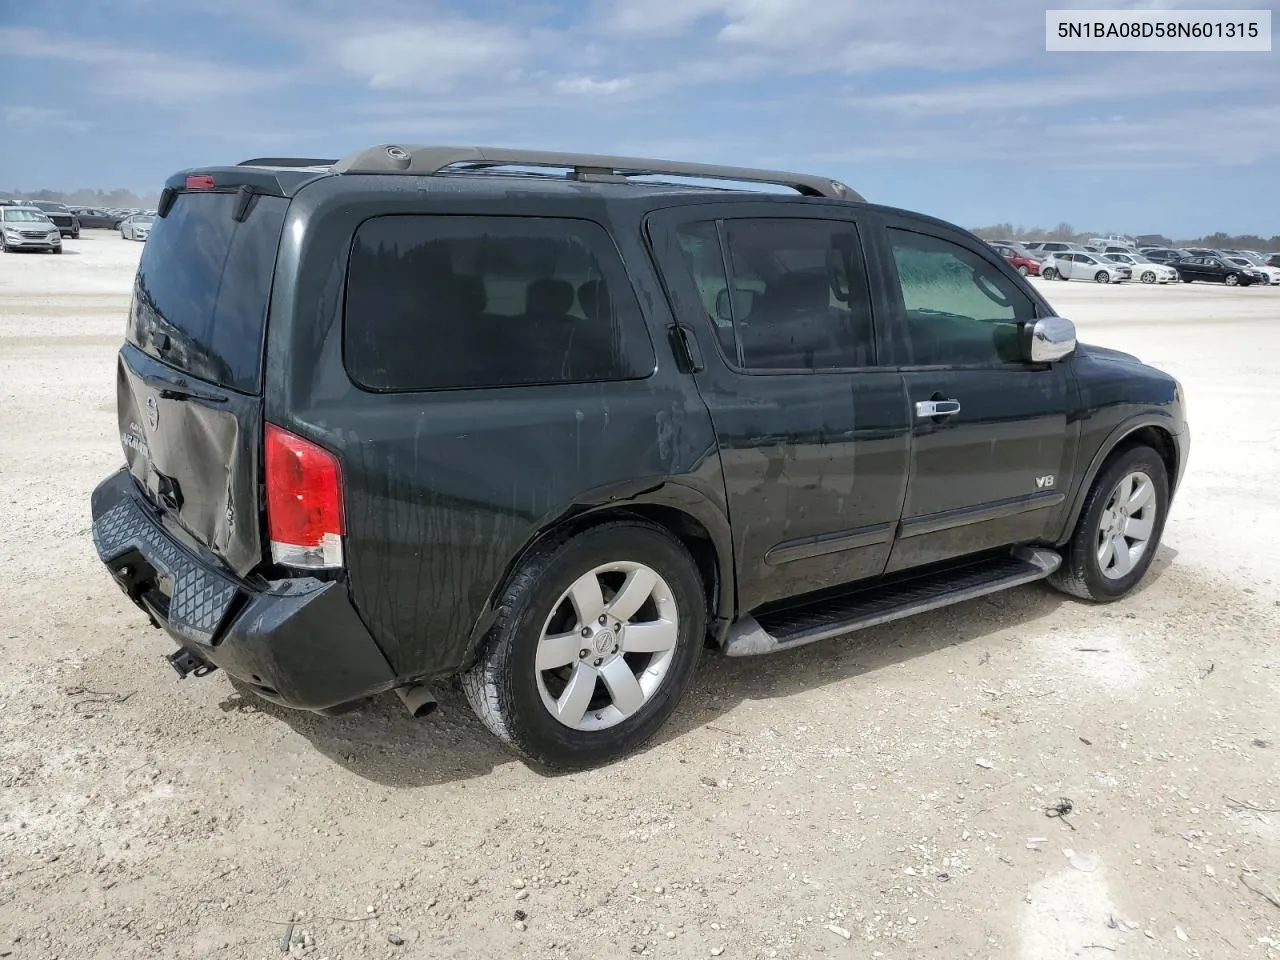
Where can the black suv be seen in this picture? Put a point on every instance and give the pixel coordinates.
(539, 423)
(68, 223)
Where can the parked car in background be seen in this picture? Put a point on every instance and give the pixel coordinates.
(1142, 268)
(28, 228)
(94, 218)
(1261, 272)
(62, 216)
(1020, 260)
(1127, 244)
(1164, 254)
(136, 227)
(1211, 269)
(1060, 246)
(1078, 265)
(1273, 260)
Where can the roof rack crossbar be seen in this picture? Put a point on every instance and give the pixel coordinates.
(426, 160)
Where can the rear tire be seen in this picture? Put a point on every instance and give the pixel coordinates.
(523, 687)
(1023, 271)
(1107, 555)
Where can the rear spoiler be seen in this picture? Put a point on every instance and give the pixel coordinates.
(281, 179)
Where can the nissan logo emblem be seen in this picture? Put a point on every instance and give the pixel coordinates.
(153, 412)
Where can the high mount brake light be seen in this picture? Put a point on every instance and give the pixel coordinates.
(304, 502)
(200, 182)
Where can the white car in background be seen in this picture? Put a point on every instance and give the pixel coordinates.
(1077, 265)
(1272, 273)
(136, 227)
(1144, 268)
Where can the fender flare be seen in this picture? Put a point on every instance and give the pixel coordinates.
(671, 495)
(1108, 446)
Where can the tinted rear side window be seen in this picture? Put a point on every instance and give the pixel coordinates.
(441, 302)
(201, 292)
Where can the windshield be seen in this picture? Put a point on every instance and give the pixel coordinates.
(12, 214)
(142, 219)
(46, 205)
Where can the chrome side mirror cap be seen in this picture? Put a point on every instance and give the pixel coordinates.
(1051, 339)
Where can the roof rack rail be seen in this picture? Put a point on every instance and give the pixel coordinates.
(425, 160)
(285, 162)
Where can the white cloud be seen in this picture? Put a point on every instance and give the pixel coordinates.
(588, 85)
(426, 56)
(143, 75)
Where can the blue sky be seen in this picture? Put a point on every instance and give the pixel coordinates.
(952, 107)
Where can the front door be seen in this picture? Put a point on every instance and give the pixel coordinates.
(990, 431)
(813, 438)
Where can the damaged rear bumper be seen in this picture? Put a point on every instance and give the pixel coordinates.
(297, 642)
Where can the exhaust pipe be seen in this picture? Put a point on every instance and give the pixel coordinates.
(418, 699)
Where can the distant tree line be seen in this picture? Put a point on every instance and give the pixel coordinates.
(88, 198)
(1065, 231)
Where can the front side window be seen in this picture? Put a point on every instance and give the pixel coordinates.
(799, 297)
(960, 309)
(447, 302)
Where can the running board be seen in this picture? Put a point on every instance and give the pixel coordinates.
(809, 622)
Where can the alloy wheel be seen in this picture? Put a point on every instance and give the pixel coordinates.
(607, 646)
(1126, 525)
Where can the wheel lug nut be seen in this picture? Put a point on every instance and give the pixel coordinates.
(586, 631)
(583, 654)
(617, 626)
(615, 649)
(599, 661)
(603, 619)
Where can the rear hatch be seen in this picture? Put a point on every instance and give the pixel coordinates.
(189, 377)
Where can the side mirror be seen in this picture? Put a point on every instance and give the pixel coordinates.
(1050, 339)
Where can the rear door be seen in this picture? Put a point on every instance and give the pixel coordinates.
(813, 436)
(989, 431)
(189, 376)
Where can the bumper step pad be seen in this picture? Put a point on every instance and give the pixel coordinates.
(200, 597)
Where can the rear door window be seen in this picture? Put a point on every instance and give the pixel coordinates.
(203, 284)
(448, 302)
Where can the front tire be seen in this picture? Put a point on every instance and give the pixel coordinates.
(1232, 280)
(1148, 277)
(1102, 277)
(597, 638)
(1119, 528)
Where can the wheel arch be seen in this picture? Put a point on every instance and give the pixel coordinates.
(1151, 431)
(683, 511)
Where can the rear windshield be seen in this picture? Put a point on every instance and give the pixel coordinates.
(200, 294)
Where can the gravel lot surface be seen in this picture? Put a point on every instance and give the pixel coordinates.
(881, 796)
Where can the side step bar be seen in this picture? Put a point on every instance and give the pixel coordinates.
(832, 616)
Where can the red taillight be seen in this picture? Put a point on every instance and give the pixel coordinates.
(200, 181)
(304, 501)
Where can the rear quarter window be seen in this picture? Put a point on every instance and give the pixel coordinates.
(452, 302)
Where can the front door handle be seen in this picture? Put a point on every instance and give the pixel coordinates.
(937, 408)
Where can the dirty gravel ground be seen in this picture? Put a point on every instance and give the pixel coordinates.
(870, 797)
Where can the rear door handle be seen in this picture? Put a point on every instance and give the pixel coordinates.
(937, 408)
